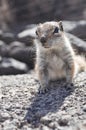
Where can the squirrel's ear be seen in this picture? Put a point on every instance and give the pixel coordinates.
(61, 25)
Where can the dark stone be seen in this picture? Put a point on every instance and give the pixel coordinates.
(8, 37)
(63, 122)
(27, 35)
(16, 44)
(77, 43)
(26, 55)
(76, 28)
(27, 40)
(84, 108)
(4, 49)
(9, 66)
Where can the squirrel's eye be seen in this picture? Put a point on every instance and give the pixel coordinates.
(56, 30)
(36, 33)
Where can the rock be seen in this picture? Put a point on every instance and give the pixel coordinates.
(69, 25)
(44, 128)
(26, 55)
(8, 37)
(10, 66)
(28, 32)
(78, 126)
(64, 120)
(16, 44)
(7, 125)
(4, 49)
(84, 108)
(27, 40)
(4, 116)
(45, 120)
(53, 125)
(0, 58)
(76, 28)
(77, 43)
(79, 30)
(1, 32)
(27, 35)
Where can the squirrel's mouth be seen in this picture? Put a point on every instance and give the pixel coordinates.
(46, 46)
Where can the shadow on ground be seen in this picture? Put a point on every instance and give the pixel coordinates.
(47, 103)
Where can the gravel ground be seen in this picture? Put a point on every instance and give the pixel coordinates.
(23, 108)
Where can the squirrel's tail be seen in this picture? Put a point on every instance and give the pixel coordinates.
(80, 63)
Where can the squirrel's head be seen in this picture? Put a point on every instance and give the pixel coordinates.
(47, 31)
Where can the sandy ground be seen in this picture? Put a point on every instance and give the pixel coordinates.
(23, 108)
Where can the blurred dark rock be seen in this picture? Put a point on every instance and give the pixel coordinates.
(4, 49)
(27, 35)
(80, 31)
(0, 34)
(77, 28)
(9, 66)
(27, 40)
(77, 43)
(26, 55)
(16, 44)
(8, 37)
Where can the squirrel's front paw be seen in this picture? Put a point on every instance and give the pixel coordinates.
(43, 89)
(69, 83)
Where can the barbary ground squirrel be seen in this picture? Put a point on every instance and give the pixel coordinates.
(55, 58)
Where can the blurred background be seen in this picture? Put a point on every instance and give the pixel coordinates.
(18, 19)
(28, 11)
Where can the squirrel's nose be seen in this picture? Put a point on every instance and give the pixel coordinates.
(43, 39)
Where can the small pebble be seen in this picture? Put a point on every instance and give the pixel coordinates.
(63, 121)
(84, 108)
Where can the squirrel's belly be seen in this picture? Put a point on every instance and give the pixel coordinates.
(56, 69)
